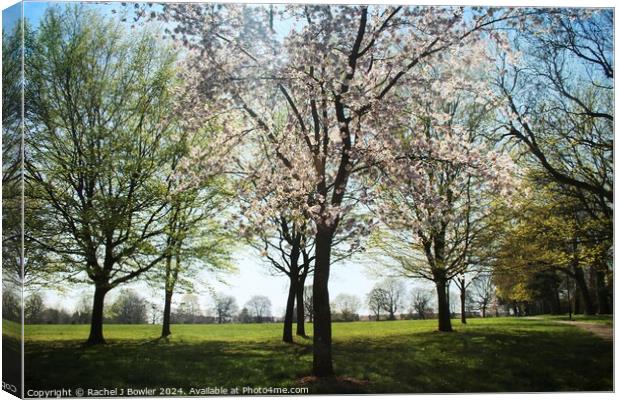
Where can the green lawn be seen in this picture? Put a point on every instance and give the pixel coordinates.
(591, 319)
(495, 354)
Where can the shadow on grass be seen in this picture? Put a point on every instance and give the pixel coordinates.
(481, 362)
(533, 356)
(159, 364)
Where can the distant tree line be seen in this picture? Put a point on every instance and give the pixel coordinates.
(131, 308)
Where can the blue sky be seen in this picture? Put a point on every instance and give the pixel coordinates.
(10, 16)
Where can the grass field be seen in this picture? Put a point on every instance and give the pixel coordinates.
(495, 354)
(590, 319)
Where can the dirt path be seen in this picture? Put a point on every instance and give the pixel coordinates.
(603, 331)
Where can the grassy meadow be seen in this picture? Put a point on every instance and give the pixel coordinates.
(486, 355)
(589, 319)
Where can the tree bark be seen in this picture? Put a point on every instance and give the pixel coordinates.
(462, 289)
(96, 322)
(301, 317)
(577, 302)
(165, 326)
(287, 334)
(588, 306)
(602, 294)
(322, 365)
(443, 307)
(555, 306)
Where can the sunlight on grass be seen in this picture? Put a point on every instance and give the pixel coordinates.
(495, 354)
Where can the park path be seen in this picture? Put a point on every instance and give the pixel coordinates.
(603, 331)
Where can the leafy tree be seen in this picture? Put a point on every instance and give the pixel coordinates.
(308, 303)
(12, 274)
(483, 292)
(375, 302)
(559, 110)
(259, 307)
(420, 301)
(197, 240)
(55, 316)
(559, 101)
(244, 316)
(82, 313)
(346, 307)
(188, 311)
(225, 307)
(129, 308)
(98, 104)
(387, 296)
(33, 308)
(547, 231)
(11, 306)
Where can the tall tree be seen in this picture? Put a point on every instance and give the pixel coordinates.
(196, 237)
(98, 115)
(346, 306)
(308, 303)
(548, 231)
(293, 257)
(420, 301)
(341, 75)
(434, 201)
(559, 101)
(259, 307)
(483, 291)
(225, 307)
(374, 300)
(388, 296)
(129, 308)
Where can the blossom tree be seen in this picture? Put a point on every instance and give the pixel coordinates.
(343, 74)
(289, 250)
(284, 239)
(434, 196)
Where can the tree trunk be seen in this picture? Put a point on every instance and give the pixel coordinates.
(588, 306)
(322, 341)
(448, 295)
(301, 317)
(555, 305)
(577, 302)
(601, 291)
(443, 307)
(96, 322)
(463, 317)
(484, 311)
(165, 326)
(287, 334)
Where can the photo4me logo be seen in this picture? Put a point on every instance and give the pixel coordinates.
(9, 387)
